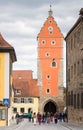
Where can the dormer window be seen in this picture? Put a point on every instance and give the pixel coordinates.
(18, 91)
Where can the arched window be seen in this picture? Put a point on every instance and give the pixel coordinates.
(53, 64)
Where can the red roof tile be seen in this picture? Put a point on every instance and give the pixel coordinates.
(22, 74)
(28, 87)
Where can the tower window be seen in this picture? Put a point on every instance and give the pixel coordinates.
(43, 41)
(50, 21)
(47, 54)
(48, 76)
(53, 42)
(54, 64)
(48, 90)
(50, 28)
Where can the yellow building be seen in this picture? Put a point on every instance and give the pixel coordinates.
(7, 57)
(26, 92)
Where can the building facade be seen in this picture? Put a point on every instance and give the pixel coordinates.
(74, 54)
(50, 66)
(7, 57)
(26, 92)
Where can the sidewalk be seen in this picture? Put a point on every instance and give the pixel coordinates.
(71, 126)
(12, 127)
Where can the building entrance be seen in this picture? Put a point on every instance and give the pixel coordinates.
(50, 107)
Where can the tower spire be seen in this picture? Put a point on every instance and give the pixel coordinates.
(50, 11)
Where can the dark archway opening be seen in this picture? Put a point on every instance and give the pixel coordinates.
(50, 107)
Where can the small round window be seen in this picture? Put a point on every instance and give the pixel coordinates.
(53, 42)
(50, 28)
(50, 21)
(48, 76)
(43, 41)
(47, 54)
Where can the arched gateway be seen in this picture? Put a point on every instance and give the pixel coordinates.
(50, 107)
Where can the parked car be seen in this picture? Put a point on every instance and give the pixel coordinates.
(24, 115)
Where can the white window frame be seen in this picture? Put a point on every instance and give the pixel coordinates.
(52, 42)
(47, 54)
(47, 90)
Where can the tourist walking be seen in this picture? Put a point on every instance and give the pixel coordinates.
(34, 118)
(17, 118)
(48, 117)
(39, 118)
(56, 118)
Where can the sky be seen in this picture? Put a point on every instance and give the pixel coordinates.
(22, 20)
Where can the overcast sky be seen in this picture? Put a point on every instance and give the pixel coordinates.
(21, 21)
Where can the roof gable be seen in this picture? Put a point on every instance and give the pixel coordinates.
(6, 47)
(50, 22)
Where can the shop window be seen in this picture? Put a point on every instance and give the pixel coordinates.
(2, 114)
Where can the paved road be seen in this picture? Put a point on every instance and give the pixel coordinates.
(25, 125)
(30, 126)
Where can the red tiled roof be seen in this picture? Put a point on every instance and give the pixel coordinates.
(22, 74)
(6, 47)
(28, 87)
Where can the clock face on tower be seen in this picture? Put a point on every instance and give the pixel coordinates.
(50, 28)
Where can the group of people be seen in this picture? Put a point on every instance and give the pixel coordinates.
(47, 117)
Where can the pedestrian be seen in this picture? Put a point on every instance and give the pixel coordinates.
(48, 117)
(17, 118)
(56, 118)
(29, 116)
(44, 117)
(39, 118)
(51, 117)
(34, 118)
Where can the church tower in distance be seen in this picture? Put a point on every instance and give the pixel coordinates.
(50, 66)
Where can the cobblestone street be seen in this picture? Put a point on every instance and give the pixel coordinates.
(24, 125)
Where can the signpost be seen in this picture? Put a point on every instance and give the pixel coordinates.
(6, 102)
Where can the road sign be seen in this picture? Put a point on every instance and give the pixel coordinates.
(6, 102)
